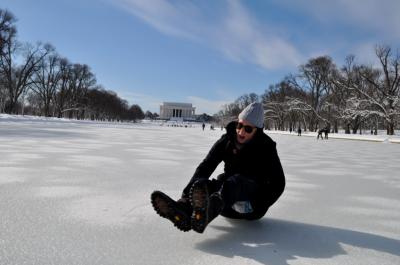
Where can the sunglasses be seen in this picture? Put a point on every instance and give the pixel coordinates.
(247, 128)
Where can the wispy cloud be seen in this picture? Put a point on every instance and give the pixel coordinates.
(236, 34)
(378, 16)
(166, 17)
(243, 39)
(365, 54)
(207, 106)
(151, 103)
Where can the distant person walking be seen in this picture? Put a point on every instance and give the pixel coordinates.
(324, 131)
(203, 126)
(320, 134)
(299, 131)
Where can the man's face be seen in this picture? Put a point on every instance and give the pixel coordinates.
(245, 131)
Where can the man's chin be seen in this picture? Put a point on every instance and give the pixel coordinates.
(241, 140)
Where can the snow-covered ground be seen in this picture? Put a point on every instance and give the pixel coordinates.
(77, 192)
(381, 137)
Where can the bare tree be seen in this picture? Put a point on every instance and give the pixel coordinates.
(80, 79)
(150, 115)
(46, 80)
(35, 104)
(17, 77)
(135, 113)
(106, 105)
(62, 92)
(7, 35)
(389, 87)
(315, 77)
(281, 110)
(246, 99)
(56, 86)
(230, 111)
(7, 29)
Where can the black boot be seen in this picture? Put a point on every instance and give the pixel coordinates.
(178, 212)
(205, 207)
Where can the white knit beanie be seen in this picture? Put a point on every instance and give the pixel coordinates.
(253, 113)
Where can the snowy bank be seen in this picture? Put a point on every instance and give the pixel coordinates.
(381, 137)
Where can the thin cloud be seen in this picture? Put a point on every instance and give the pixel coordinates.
(151, 103)
(379, 16)
(243, 39)
(162, 15)
(235, 33)
(206, 106)
(365, 54)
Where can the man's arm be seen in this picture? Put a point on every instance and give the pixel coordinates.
(276, 182)
(208, 165)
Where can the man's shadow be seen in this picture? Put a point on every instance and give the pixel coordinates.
(272, 241)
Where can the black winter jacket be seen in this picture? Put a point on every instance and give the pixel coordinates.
(257, 160)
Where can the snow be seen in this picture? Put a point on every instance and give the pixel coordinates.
(381, 137)
(77, 192)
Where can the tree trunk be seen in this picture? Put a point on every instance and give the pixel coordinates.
(347, 130)
(12, 107)
(390, 128)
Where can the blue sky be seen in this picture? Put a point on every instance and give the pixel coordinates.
(205, 52)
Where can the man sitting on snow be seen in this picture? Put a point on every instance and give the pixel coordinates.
(252, 181)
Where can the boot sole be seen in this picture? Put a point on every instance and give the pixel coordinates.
(199, 200)
(166, 208)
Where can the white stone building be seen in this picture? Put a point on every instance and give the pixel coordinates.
(177, 111)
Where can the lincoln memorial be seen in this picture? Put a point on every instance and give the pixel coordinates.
(177, 111)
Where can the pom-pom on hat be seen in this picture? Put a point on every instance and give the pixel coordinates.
(253, 113)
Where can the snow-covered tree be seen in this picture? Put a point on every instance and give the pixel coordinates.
(315, 77)
(377, 89)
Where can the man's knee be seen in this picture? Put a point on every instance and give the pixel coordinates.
(214, 185)
(228, 192)
(237, 188)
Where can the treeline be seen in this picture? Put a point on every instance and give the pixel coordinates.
(35, 79)
(352, 97)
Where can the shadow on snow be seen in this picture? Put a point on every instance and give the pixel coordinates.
(272, 241)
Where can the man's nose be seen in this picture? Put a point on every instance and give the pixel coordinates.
(241, 132)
